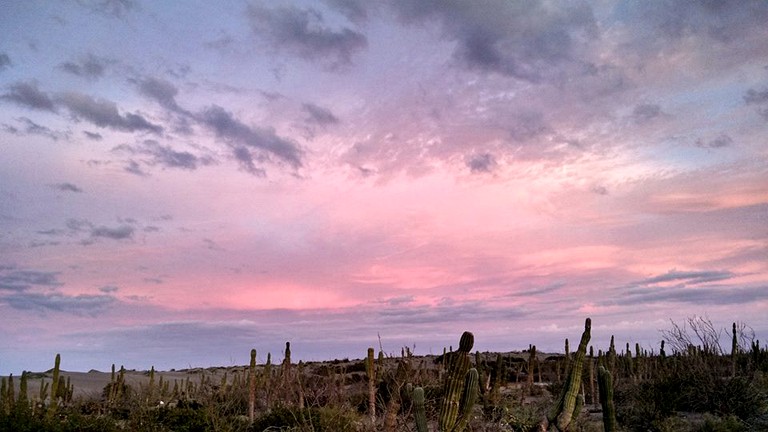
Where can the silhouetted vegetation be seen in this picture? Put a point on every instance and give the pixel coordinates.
(691, 384)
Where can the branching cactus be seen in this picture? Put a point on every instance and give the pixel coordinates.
(570, 401)
(460, 388)
(605, 381)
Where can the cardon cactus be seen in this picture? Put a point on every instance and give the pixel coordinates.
(459, 389)
(419, 411)
(605, 381)
(570, 401)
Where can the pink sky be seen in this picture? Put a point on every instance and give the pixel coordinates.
(180, 185)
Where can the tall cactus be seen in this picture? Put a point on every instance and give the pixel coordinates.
(252, 387)
(605, 381)
(569, 402)
(459, 389)
(370, 369)
(55, 385)
(419, 411)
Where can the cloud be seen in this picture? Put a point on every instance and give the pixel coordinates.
(116, 233)
(481, 163)
(27, 94)
(167, 156)
(93, 135)
(22, 280)
(319, 115)
(756, 97)
(82, 304)
(103, 113)
(32, 128)
(527, 40)
(109, 8)
(760, 98)
(90, 67)
(67, 187)
(161, 91)
(133, 167)
(644, 113)
(722, 140)
(303, 33)
(5, 61)
(354, 10)
(109, 289)
(689, 277)
(243, 139)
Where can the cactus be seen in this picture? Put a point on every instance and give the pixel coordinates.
(23, 399)
(459, 389)
(568, 406)
(419, 411)
(370, 369)
(55, 385)
(605, 381)
(531, 365)
(252, 387)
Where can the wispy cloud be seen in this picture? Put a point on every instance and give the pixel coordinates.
(29, 95)
(89, 66)
(303, 32)
(249, 144)
(104, 113)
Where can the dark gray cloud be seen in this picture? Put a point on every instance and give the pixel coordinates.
(481, 163)
(527, 125)
(304, 33)
(109, 289)
(67, 187)
(707, 295)
(83, 304)
(27, 94)
(93, 135)
(523, 40)
(354, 10)
(89, 66)
(22, 280)
(756, 96)
(168, 157)
(104, 113)
(121, 232)
(723, 21)
(244, 140)
(162, 91)
(32, 128)
(134, 167)
(722, 140)
(644, 113)
(110, 8)
(5, 61)
(759, 98)
(319, 115)
(689, 277)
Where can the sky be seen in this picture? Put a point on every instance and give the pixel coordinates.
(181, 182)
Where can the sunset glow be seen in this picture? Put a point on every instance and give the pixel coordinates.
(181, 182)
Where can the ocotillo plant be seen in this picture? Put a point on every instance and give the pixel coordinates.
(460, 388)
(605, 382)
(569, 403)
